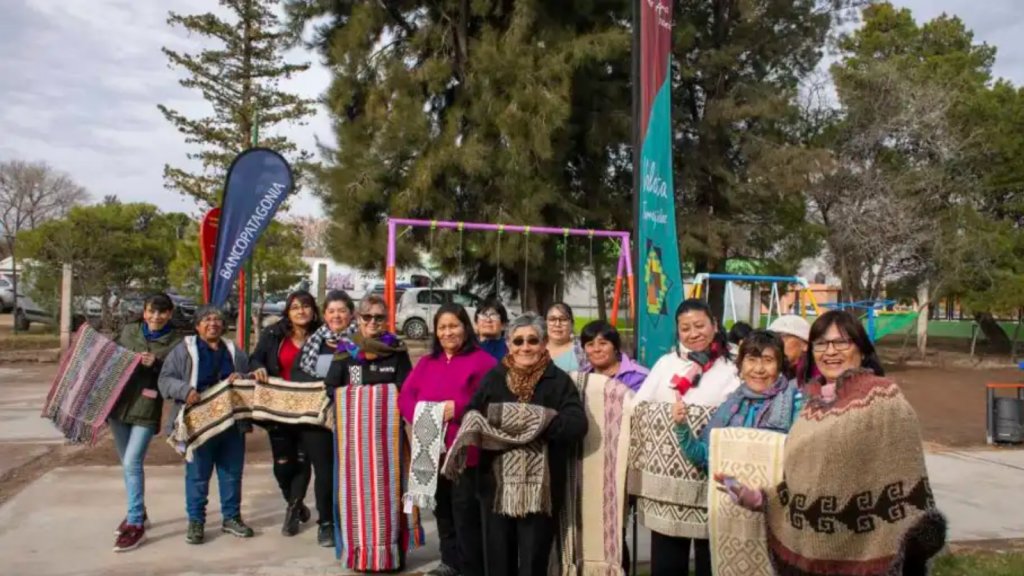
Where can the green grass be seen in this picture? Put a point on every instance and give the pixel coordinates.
(988, 564)
(11, 342)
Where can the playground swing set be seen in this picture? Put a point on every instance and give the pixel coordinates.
(730, 316)
(624, 271)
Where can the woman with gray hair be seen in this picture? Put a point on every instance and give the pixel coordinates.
(367, 372)
(522, 544)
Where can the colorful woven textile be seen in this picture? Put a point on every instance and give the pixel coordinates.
(428, 429)
(371, 532)
(671, 491)
(855, 498)
(754, 457)
(521, 473)
(90, 379)
(225, 403)
(602, 485)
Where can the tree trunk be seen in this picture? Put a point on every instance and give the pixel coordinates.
(998, 340)
(923, 309)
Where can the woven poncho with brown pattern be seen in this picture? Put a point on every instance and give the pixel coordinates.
(855, 498)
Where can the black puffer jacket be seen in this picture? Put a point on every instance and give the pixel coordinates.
(267, 354)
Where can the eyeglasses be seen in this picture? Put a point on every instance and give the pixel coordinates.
(379, 318)
(212, 320)
(531, 340)
(297, 307)
(840, 345)
(557, 320)
(490, 316)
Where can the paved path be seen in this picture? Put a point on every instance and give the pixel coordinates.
(63, 523)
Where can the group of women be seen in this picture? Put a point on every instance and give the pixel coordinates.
(818, 519)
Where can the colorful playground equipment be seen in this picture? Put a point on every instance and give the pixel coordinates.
(624, 271)
(730, 315)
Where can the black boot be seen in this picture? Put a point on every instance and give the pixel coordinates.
(292, 518)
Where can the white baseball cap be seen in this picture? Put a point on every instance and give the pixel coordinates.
(793, 325)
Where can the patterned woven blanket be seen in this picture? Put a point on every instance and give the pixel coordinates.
(672, 492)
(428, 429)
(371, 459)
(600, 501)
(87, 386)
(738, 537)
(521, 474)
(225, 403)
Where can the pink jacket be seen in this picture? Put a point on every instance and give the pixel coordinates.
(442, 379)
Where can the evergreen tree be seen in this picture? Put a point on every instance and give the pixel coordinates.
(510, 112)
(239, 78)
(742, 162)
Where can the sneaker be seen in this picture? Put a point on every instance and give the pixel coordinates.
(124, 523)
(236, 527)
(443, 569)
(325, 535)
(196, 532)
(130, 538)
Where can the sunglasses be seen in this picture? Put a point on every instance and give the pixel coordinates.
(531, 340)
(379, 318)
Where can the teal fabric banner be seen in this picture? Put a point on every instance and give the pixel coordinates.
(661, 286)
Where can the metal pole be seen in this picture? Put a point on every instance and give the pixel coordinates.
(250, 279)
(14, 279)
(65, 309)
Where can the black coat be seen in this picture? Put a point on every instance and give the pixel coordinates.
(393, 369)
(555, 390)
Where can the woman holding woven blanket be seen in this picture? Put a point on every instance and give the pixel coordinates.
(855, 497)
(434, 399)
(766, 398)
(522, 508)
(136, 416)
(194, 366)
(696, 376)
(372, 534)
(290, 350)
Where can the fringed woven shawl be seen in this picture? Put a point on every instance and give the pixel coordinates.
(593, 519)
(521, 472)
(855, 498)
(671, 492)
(87, 386)
(371, 461)
(225, 403)
(428, 429)
(754, 457)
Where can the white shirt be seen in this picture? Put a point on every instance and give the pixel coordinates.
(714, 387)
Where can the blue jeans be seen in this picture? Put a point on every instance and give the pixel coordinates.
(132, 442)
(226, 452)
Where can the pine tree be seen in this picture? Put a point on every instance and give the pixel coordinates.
(239, 78)
(495, 111)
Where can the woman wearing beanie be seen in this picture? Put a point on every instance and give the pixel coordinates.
(855, 498)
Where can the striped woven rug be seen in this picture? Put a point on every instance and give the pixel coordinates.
(88, 383)
(372, 533)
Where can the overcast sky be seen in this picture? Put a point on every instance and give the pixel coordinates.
(80, 80)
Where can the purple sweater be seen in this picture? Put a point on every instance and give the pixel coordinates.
(441, 379)
(630, 373)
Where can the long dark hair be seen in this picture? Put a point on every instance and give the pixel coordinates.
(697, 305)
(305, 298)
(459, 312)
(850, 327)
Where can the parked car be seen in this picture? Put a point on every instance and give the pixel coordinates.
(27, 312)
(6, 294)
(417, 306)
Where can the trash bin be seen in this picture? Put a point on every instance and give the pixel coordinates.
(1008, 412)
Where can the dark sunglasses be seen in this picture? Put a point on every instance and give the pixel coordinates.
(519, 340)
(373, 317)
